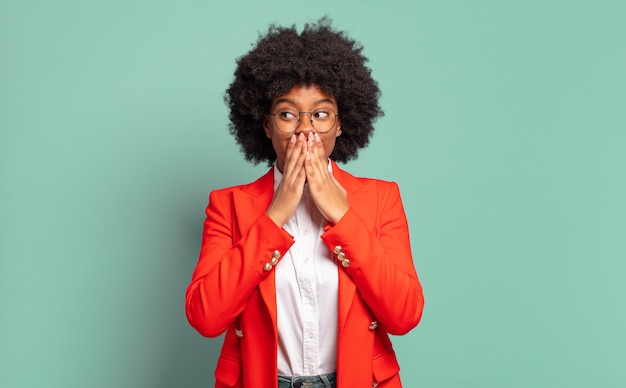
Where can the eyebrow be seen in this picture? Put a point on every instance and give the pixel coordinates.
(287, 100)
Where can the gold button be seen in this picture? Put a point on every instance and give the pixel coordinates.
(276, 254)
(341, 256)
(238, 333)
(373, 325)
(337, 249)
(267, 267)
(274, 261)
(346, 263)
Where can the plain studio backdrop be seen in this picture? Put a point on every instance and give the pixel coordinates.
(505, 128)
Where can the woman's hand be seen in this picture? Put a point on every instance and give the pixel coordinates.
(329, 196)
(289, 192)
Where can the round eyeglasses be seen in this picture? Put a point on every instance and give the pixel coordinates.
(287, 120)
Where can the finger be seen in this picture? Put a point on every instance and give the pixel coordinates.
(291, 145)
(319, 161)
(300, 156)
(293, 148)
(318, 151)
(311, 157)
(294, 156)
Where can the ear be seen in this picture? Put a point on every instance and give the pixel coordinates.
(266, 126)
(338, 128)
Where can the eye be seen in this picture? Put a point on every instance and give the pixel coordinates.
(322, 114)
(286, 115)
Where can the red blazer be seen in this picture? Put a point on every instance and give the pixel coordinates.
(233, 286)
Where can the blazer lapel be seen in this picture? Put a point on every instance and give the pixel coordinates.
(250, 202)
(347, 288)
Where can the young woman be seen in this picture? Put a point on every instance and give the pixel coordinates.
(308, 269)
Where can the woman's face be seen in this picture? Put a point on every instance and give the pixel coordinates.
(305, 98)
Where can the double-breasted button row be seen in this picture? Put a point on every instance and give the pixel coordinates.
(238, 333)
(270, 264)
(338, 251)
(373, 325)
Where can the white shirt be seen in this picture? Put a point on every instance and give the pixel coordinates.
(306, 295)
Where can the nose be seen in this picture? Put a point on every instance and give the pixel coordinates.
(305, 126)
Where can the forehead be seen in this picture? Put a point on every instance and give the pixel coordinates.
(304, 95)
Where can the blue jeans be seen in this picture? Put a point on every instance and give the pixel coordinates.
(321, 381)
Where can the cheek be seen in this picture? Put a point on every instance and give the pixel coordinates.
(277, 144)
(329, 145)
(280, 146)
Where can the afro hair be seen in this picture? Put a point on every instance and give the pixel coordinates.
(282, 59)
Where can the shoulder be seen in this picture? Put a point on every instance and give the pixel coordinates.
(359, 182)
(376, 181)
(263, 183)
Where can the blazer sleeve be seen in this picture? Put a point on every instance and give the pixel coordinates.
(374, 237)
(230, 266)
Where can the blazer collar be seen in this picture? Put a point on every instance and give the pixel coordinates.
(349, 182)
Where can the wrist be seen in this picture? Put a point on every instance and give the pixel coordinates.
(338, 215)
(276, 218)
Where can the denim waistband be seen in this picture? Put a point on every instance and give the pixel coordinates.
(327, 380)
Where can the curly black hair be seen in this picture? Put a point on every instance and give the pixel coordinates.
(282, 59)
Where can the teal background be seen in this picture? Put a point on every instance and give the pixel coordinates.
(505, 127)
